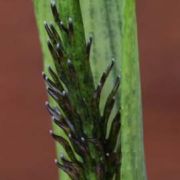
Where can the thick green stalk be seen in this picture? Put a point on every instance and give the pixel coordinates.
(113, 26)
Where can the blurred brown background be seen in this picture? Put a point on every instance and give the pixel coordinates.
(27, 151)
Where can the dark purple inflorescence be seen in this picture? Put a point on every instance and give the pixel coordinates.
(92, 150)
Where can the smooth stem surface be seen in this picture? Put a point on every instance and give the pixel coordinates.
(132, 136)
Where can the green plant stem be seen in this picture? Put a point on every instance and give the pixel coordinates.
(132, 135)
